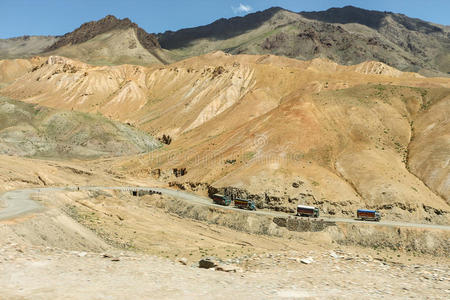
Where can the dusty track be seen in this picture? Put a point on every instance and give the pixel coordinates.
(19, 202)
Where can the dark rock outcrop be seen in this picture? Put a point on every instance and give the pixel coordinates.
(220, 29)
(405, 43)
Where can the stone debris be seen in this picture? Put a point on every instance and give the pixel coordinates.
(254, 276)
(333, 254)
(307, 261)
(228, 268)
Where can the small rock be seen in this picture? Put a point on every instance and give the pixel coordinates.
(349, 258)
(115, 259)
(226, 268)
(82, 254)
(207, 263)
(183, 261)
(106, 255)
(307, 260)
(333, 254)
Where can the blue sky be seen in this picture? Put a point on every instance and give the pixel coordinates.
(56, 17)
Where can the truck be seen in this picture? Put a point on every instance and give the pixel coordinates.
(307, 211)
(368, 215)
(221, 199)
(244, 204)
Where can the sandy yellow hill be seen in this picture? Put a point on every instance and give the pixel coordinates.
(282, 131)
(120, 46)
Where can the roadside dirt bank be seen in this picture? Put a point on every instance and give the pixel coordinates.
(407, 240)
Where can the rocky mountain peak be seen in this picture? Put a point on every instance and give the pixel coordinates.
(348, 14)
(91, 29)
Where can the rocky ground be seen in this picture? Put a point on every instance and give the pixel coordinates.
(111, 245)
(52, 256)
(30, 272)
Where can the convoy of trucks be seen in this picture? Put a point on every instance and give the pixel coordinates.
(302, 210)
(239, 203)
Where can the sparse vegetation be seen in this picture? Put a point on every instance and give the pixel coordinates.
(66, 133)
(165, 139)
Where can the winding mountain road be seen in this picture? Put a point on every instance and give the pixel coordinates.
(19, 203)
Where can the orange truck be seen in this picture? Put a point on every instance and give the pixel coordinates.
(307, 211)
(245, 204)
(368, 215)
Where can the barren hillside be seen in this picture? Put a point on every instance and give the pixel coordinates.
(108, 41)
(31, 130)
(347, 35)
(280, 130)
(25, 46)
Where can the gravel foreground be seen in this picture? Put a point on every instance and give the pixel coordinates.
(30, 272)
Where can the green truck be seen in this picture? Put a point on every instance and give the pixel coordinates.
(221, 199)
(239, 203)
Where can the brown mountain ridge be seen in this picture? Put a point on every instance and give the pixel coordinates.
(347, 35)
(92, 29)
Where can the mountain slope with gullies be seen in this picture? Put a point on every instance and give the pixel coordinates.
(278, 130)
(347, 35)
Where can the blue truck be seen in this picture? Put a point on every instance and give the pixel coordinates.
(368, 215)
(244, 204)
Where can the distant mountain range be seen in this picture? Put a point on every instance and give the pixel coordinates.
(347, 35)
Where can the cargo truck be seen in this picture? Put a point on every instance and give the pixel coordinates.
(368, 215)
(221, 199)
(245, 204)
(307, 211)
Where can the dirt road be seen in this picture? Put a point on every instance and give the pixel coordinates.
(56, 269)
(19, 202)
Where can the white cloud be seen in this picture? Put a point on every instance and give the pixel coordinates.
(242, 8)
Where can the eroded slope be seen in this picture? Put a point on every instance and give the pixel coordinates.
(281, 131)
(30, 130)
